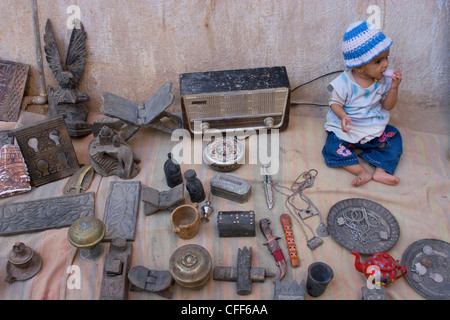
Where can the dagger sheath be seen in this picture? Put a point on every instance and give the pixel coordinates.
(273, 246)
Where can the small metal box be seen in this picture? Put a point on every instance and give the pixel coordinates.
(231, 187)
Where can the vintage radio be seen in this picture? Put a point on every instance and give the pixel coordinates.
(235, 99)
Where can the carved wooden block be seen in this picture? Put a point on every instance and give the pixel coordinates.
(121, 209)
(48, 150)
(14, 178)
(44, 214)
(13, 78)
(117, 264)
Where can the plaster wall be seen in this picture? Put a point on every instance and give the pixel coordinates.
(136, 46)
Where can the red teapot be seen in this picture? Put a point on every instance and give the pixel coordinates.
(381, 266)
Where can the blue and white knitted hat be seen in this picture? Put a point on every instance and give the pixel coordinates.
(363, 42)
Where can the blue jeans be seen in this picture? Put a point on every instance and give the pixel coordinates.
(339, 153)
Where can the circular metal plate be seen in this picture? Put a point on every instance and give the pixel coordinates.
(433, 257)
(363, 226)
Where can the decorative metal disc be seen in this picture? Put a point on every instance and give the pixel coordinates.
(224, 154)
(428, 269)
(363, 226)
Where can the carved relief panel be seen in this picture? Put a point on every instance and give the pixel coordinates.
(48, 150)
(13, 78)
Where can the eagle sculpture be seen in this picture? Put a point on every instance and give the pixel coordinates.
(67, 100)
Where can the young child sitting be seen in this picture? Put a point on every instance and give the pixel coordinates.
(360, 100)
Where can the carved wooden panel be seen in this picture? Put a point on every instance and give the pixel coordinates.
(121, 209)
(13, 78)
(48, 150)
(43, 214)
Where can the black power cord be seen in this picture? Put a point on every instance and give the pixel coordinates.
(304, 84)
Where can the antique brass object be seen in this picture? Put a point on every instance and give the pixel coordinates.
(191, 266)
(23, 263)
(86, 234)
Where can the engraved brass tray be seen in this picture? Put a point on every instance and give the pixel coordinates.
(436, 253)
(363, 226)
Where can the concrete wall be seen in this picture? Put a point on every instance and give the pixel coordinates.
(135, 46)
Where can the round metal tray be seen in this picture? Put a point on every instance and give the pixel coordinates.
(437, 255)
(363, 226)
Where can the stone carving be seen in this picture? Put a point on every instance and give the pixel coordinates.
(67, 99)
(44, 214)
(121, 209)
(13, 78)
(48, 150)
(14, 178)
(108, 151)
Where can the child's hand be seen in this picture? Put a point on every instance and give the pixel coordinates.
(345, 121)
(396, 79)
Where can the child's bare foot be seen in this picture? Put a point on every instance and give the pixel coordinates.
(362, 175)
(383, 177)
(361, 179)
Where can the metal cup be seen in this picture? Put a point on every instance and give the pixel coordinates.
(319, 275)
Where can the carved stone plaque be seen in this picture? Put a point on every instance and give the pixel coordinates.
(13, 78)
(121, 209)
(44, 214)
(48, 150)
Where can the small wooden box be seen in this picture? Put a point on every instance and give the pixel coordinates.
(236, 224)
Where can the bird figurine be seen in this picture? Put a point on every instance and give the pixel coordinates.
(67, 100)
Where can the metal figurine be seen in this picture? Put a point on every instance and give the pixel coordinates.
(67, 100)
(267, 185)
(109, 152)
(273, 246)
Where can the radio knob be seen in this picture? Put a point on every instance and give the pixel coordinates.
(269, 122)
(205, 126)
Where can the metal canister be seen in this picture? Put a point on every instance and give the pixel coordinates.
(191, 266)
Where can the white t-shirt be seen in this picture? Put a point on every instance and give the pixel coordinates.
(363, 106)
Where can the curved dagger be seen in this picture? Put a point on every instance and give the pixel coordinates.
(273, 246)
